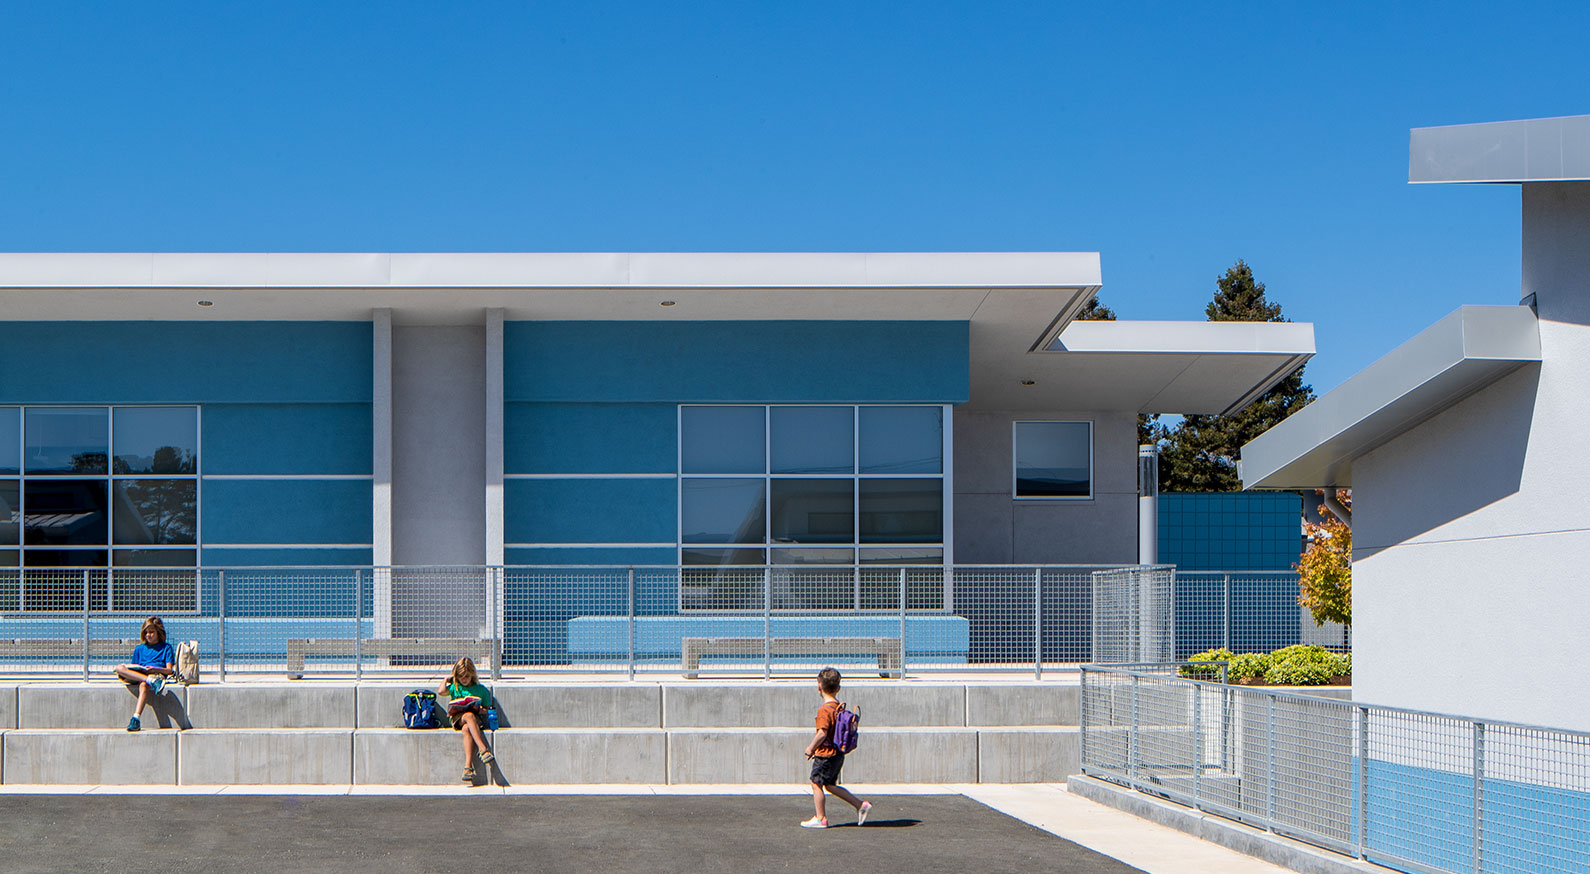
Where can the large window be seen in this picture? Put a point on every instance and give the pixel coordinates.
(1054, 460)
(839, 487)
(102, 496)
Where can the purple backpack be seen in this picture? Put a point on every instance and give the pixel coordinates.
(847, 725)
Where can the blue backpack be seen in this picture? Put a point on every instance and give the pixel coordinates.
(847, 729)
(419, 709)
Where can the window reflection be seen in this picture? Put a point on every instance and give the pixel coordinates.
(813, 511)
(63, 513)
(10, 512)
(722, 440)
(722, 511)
(156, 511)
(812, 439)
(160, 440)
(902, 511)
(1054, 459)
(66, 440)
(902, 440)
(10, 440)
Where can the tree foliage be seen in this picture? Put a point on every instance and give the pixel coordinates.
(1200, 453)
(1325, 573)
(1095, 312)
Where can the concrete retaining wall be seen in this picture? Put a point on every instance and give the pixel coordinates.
(265, 757)
(100, 756)
(8, 707)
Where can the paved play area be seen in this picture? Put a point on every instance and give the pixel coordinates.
(915, 830)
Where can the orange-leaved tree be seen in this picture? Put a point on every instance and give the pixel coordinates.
(1325, 573)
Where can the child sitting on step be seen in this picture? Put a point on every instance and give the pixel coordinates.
(153, 661)
(468, 717)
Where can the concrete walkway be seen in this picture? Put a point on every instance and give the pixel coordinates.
(1136, 842)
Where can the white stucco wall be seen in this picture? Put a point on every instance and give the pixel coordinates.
(1472, 530)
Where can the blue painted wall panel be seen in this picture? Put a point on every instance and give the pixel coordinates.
(592, 556)
(590, 438)
(754, 362)
(286, 511)
(184, 362)
(287, 438)
(225, 558)
(591, 511)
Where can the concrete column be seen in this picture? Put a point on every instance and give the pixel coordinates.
(1148, 504)
(494, 438)
(381, 468)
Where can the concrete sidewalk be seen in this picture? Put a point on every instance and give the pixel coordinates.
(1136, 842)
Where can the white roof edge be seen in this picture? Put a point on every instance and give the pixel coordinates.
(1527, 150)
(552, 270)
(1458, 355)
(1263, 338)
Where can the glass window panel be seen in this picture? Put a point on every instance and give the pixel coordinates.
(1054, 459)
(10, 439)
(814, 588)
(722, 511)
(66, 440)
(64, 513)
(902, 511)
(813, 439)
(156, 511)
(813, 511)
(813, 556)
(162, 558)
(718, 557)
(10, 591)
(902, 555)
(10, 512)
(10, 558)
(722, 440)
(155, 439)
(902, 440)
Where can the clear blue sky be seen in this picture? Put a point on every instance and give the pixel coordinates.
(1172, 138)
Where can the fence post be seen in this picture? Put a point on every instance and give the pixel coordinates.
(220, 631)
(1225, 630)
(1363, 780)
(85, 626)
(494, 577)
(767, 623)
(1479, 798)
(901, 666)
(358, 623)
(1269, 769)
(1133, 742)
(1037, 623)
(1198, 739)
(630, 608)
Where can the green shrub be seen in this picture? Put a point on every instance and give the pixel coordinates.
(1248, 665)
(1205, 672)
(1305, 666)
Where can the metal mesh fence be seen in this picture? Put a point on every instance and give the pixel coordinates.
(755, 620)
(1415, 791)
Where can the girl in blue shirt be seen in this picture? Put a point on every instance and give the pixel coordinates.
(152, 662)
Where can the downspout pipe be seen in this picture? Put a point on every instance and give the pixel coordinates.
(1337, 509)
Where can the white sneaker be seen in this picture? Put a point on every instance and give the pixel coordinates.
(862, 811)
(814, 822)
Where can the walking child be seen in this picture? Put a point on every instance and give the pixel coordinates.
(468, 716)
(152, 662)
(826, 758)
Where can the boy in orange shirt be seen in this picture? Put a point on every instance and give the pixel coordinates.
(828, 760)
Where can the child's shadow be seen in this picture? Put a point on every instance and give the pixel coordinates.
(167, 708)
(882, 823)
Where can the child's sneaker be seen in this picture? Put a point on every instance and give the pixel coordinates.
(486, 757)
(156, 683)
(862, 811)
(132, 724)
(469, 775)
(814, 822)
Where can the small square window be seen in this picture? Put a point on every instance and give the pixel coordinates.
(1054, 460)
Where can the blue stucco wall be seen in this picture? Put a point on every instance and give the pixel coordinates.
(1230, 530)
(275, 398)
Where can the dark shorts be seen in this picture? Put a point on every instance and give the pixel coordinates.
(478, 710)
(825, 772)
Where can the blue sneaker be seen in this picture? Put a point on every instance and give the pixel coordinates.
(156, 683)
(132, 724)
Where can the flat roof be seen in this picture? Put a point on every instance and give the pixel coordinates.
(1530, 150)
(1457, 356)
(1026, 353)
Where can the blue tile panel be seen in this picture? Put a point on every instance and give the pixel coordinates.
(185, 362)
(591, 511)
(597, 555)
(1230, 530)
(737, 362)
(287, 438)
(286, 511)
(321, 557)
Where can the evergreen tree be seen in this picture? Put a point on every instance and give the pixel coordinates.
(1095, 312)
(1200, 453)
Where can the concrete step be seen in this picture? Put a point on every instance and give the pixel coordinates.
(99, 705)
(387, 756)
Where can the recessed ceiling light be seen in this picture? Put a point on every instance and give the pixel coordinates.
(206, 303)
(1029, 382)
(668, 303)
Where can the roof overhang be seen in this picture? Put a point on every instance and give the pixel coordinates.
(1019, 306)
(1443, 364)
(1532, 150)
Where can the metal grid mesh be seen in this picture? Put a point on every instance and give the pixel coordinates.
(1416, 791)
(1245, 611)
(1134, 615)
